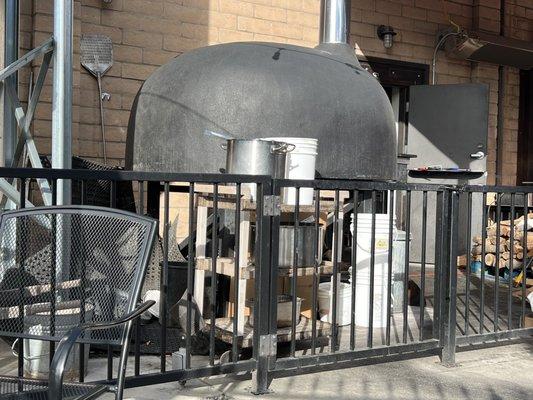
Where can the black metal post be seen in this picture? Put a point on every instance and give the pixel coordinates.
(264, 337)
(449, 275)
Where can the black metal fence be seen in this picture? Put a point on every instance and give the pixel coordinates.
(492, 306)
(284, 282)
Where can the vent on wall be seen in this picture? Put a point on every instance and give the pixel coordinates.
(493, 49)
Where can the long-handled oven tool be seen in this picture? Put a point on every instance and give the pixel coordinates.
(97, 58)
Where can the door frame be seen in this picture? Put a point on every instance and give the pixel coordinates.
(397, 73)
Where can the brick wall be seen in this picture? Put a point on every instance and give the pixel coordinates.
(147, 33)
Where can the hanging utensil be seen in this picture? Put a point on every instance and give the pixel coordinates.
(97, 58)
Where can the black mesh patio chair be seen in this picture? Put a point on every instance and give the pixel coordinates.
(71, 274)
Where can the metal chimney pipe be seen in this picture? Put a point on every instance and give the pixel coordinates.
(335, 21)
(62, 94)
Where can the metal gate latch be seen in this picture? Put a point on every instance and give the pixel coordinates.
(267, 345)
(271, 205)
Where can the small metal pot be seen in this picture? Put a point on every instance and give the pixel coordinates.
(256, 157)
(305, 245)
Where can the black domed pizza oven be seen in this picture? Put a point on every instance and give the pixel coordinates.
(254, 90)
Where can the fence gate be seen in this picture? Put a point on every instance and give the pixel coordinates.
(343, 316)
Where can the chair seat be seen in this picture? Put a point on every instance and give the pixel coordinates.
(33, 389)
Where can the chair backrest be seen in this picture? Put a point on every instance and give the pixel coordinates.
(66, 265)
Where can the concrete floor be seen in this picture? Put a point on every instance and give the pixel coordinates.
(504, 372)
(491, 373)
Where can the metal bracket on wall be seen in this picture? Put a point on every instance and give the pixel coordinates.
(24, 120)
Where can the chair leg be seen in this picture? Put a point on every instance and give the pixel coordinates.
(123, 361)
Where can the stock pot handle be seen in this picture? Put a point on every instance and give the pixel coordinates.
(282, 148)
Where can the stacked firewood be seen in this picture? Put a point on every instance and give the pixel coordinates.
(510, 252)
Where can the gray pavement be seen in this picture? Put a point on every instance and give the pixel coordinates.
(502, 372)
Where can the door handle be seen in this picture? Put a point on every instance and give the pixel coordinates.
(477, 156)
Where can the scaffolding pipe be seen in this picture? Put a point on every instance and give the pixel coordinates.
(10, 56)
(62, 95)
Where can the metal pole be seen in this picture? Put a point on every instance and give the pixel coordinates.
(62, 95)
(501, 104)
(264, 346)
(335, 21)
(10, 55)
(435, 52)
(449, 275)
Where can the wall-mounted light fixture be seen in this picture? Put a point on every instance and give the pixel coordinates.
(386, 33)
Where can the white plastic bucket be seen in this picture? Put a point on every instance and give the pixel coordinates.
(398, 271)
(363, 269)
(300, 164)
(344, 303)
(37, 352)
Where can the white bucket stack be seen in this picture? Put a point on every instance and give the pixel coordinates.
(344, 303)
(363, 269)
(300, 165)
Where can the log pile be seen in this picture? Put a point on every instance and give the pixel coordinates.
(510, 251)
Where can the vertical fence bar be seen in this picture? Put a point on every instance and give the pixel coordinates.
(141, 198)
(83, 190)
(236, 277)
(370, 337)
(294, 281)
(269, 241)
(137, 348)
(389, 271)
(483, 266)
(440, 251)
(511, 265)
(406, 262)
(354, 270)
(262, 333)
(423, 262)
(450, 276)
(497, 264)
(164, 277)
(113, 196)
(54, 189)
(20, 359)
(468, 261)
(524, 260)
(316, 272)
(334, 293)
(190, 276)
(83, 201)
(112, 204)
(214, 259)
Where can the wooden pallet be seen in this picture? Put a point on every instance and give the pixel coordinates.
(226, 199)
(224, 331)
(226, 266)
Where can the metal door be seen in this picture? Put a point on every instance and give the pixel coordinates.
(448, 127)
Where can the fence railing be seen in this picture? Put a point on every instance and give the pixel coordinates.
(283, 276)
(493, 305)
